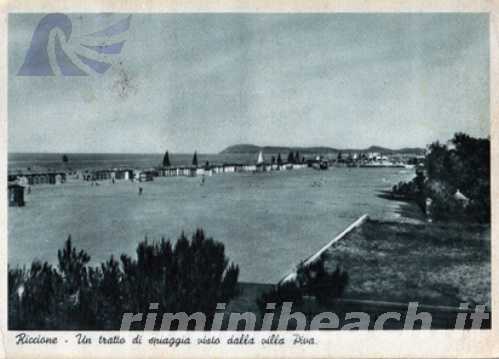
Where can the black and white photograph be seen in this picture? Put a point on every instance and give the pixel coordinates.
(246, 172)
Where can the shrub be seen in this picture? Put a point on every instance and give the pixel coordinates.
(316, 281)
(462, 165)
(280, 293)
(312, 280)
(190, 276)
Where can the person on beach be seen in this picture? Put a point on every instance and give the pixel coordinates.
(140, 191)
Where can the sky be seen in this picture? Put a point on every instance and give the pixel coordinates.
(185, 82)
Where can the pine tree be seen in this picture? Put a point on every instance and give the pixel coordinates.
(166, 160)
(65, 159)
(195, 159)
(297, 157)
(291, 158)
(279, 159)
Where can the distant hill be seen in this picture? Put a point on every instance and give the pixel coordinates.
(251, 149)
(242, 148)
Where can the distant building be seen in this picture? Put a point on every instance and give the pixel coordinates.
(373, 156)
(16, 195)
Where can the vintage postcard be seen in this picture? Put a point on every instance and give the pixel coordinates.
(245, 179)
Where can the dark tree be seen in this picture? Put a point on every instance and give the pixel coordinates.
(279, 159)
(291, 158)
(166, 160)
(315, 280)
(195, 159)
(297, 157)
(311, 280)
(65, 158)
(189, 276)
(464, 165)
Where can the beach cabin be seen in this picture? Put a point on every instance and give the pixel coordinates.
(23, 181)
(16, 195)
(298, 166)
(147, 175)
(123, 174)
(229, 168)
(58, 178)
(170, 172)
(102, 175)
(33, 178)
(186, 171)
(87, 176)
(249, 168)
(217, 169)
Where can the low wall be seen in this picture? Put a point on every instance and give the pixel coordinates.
(356, 224)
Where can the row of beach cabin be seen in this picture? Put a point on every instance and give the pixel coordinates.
(34, 178)
(144, 175)
(19, 180)
(211, 170)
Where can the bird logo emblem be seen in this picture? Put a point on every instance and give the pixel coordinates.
(91, 53)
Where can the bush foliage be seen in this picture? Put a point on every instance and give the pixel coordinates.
(312, 280)
(188, 276)
(463, 164)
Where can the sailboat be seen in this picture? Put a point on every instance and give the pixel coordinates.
(260, 163)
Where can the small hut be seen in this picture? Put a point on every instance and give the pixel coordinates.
(461, 198)
(16, 195)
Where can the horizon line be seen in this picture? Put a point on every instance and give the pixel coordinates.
(211, 153)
